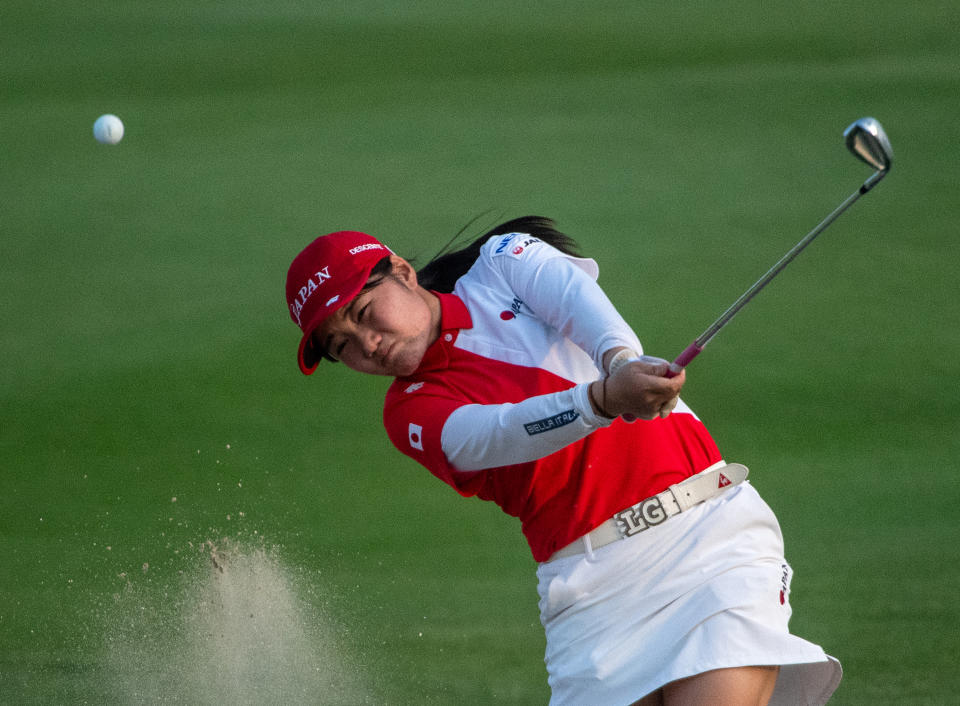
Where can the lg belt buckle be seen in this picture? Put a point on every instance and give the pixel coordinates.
(642, 516)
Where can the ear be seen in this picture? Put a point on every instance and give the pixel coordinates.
(403, 271)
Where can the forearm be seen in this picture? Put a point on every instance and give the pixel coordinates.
(478, 436)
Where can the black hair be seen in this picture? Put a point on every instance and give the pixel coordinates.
(445, 268)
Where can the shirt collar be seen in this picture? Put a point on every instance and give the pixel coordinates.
(453, 312)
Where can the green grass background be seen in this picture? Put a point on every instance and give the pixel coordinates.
(147, 354)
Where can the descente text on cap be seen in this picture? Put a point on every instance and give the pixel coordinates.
(326, 275)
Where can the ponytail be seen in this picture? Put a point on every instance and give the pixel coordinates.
(445, 268)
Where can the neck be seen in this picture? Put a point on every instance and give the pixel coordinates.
(433, 302)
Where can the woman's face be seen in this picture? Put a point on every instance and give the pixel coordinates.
(387, 329)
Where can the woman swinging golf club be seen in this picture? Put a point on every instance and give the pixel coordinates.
(661, 572)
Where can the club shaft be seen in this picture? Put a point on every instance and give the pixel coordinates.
(714, 328)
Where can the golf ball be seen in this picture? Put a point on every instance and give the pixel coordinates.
(108, 129)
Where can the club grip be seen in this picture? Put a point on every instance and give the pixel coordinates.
(689, 353)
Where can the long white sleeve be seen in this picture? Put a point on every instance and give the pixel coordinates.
(479, 436)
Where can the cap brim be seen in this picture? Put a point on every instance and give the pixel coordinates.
(308, 357)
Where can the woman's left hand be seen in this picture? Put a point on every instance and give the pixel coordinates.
(639, 388)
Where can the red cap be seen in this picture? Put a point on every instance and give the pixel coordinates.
(325, 276)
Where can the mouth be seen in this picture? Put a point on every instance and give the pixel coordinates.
(387, 356)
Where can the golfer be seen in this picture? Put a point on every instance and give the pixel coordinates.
(661, 571)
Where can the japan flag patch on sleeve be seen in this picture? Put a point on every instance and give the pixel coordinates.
(514, 244)
(415, 435)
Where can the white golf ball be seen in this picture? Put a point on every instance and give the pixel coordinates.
(108, 129)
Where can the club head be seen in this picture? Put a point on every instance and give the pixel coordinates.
(867, 140)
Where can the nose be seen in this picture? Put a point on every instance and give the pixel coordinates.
(369, 341)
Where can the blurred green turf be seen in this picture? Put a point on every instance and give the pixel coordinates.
(147, 356)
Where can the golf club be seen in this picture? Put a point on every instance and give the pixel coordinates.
(868, 141)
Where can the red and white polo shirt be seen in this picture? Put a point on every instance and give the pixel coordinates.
(499, 406)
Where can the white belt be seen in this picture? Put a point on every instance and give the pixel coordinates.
(658, 508)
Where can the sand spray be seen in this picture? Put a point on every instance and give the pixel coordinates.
(233, 629)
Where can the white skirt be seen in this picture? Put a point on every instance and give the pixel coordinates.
(707, 589)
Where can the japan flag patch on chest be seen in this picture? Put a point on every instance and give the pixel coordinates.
(415, 436)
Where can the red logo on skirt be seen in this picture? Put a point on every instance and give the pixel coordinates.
(784, 583)
(724, 481)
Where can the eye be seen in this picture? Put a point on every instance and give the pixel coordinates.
(363, 311)
(331, 349)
